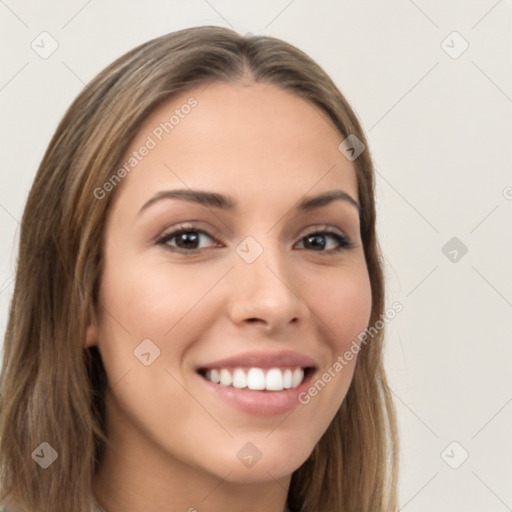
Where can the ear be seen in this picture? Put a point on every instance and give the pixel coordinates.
(91, 336)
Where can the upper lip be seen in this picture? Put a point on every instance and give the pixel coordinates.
(260, 359)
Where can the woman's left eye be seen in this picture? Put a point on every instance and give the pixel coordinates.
(188, 238)
(316, 241)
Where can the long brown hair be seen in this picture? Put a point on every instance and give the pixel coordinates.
(52, 388)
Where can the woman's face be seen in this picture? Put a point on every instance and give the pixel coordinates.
(253, 277)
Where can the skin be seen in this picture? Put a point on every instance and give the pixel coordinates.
(174, 446)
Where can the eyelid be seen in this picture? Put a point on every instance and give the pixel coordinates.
(314, 228)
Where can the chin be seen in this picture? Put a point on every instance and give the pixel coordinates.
(258, 466)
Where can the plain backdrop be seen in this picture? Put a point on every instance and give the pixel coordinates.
(431, 83)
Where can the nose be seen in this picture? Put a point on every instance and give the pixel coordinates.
(264, 292)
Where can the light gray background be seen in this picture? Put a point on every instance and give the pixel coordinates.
(440, 131)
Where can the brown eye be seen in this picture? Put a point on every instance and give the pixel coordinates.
(316, 241)
(184, 239)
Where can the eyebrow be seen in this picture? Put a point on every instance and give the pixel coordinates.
(222, 202)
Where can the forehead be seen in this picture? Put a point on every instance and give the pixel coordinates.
(254, 141)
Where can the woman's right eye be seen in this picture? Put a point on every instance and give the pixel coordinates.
(186, 239)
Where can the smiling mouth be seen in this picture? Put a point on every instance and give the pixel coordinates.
(257, 379)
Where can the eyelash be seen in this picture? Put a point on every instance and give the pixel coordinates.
(343, 242)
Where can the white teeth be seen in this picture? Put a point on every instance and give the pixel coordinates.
(215, 376)
(239, 379)
(287, 379)
(297, 377)
(256, 379)
(274, 379)
(225, 378)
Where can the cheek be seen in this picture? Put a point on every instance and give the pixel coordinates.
(345, 306)
(155, 301)
(152, 302)
(149, 299)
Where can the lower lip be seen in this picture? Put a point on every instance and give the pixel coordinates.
(259, 403)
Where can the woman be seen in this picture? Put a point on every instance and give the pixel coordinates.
(198, 267)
